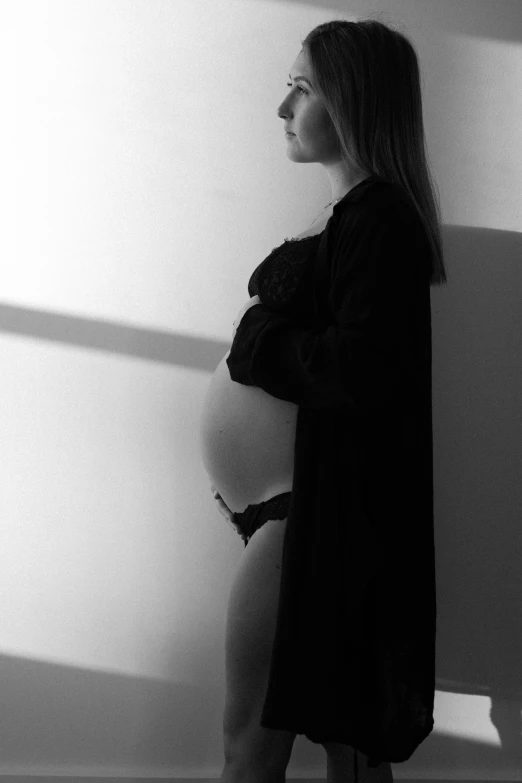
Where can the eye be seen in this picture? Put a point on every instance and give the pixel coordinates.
(289, 84)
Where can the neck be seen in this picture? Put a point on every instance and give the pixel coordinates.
(343, 177)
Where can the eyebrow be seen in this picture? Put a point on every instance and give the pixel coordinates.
(301, 79)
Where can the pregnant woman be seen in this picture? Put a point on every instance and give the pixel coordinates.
(248, 436)
(316, 434)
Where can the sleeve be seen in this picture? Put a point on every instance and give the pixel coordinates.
(363, 356)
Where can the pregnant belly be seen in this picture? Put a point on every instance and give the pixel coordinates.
(247, 440)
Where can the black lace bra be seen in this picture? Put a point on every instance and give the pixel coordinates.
(283, 280)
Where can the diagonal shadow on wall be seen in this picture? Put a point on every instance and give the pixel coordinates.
(110, 337)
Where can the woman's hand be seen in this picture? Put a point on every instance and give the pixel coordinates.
(227, 513)
(251, 302)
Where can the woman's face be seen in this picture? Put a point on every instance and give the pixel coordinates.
(305, 115)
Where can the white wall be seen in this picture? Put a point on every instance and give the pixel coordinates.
(144, 176)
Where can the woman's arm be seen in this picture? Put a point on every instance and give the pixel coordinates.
(366, 355)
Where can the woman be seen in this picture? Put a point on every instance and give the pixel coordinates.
(317, 434)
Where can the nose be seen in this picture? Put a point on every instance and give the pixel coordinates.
(282, 111)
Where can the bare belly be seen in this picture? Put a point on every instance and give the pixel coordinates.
(247, 436)
(247, 440)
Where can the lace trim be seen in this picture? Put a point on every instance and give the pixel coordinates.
(277, 278)
(303, 239)
(281, 273)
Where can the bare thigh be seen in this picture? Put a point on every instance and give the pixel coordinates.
(250, 630)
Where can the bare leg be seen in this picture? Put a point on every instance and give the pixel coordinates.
(253, 754)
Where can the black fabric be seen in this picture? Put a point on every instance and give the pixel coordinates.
(283, 280)
(255, 515)
(353, 659)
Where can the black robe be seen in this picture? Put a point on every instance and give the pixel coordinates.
(353, 659)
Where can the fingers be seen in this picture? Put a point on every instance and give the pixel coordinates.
(227, 513)
(224, 509)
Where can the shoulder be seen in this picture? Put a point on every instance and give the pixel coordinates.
(379, 228)
(376, 208)
(376, 198)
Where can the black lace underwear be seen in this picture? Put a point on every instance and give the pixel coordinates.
(255, 516)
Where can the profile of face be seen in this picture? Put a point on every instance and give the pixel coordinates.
(305, 115)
